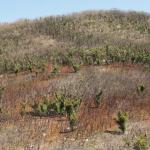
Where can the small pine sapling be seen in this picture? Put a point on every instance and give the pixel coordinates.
(98, 98)
(76, 67)
(141, 89)
(121, 120)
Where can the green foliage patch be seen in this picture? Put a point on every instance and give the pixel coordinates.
(121, 120)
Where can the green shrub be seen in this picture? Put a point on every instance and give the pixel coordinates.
(62, 105)
(55, 69)
(37, 109)
(59, 103)
(40, 65)
(142, 143)
(17, 68)
(23, 109)
(41, 109)
(121, 120)
(76, 67)
(140, 88)
(95, 54)
(68, 106)
(98, 98)
(1, 91)
(73, 119)
(29, 66)
(71, 105)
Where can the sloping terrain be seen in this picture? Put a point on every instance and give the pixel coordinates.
(121, 95)
(110, 35)
(98, 60)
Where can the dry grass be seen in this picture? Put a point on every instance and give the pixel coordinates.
(44, 39)
(119, 85)
(112, 48)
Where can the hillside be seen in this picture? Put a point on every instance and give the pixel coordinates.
(106, 34)
(76, 82)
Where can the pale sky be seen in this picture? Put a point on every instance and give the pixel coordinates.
(12, 10)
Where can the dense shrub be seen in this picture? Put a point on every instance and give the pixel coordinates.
(76, 67)
(55, 69)
(43, 108)
(62, 105)
(121, 120)
(142, 143)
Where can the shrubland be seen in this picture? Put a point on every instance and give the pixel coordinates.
(94, 37)
(73, 76)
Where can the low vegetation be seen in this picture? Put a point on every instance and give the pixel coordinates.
(121, 120)
(98, 98)
(142, 143)
(141, 89)
(75, 73)
(62, 105)
(91, 38)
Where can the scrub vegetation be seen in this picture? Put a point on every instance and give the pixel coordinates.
(67, 82)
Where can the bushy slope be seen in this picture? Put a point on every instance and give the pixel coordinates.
(53, 49)
(24, 42)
